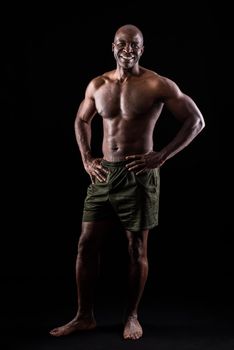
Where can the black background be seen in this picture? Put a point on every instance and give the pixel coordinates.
(50, 55)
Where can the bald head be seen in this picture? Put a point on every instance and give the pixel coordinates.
(129, 29)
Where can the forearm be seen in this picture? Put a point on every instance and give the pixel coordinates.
(183, 138)
(83, 138)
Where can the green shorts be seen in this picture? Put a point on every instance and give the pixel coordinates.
(133, 198)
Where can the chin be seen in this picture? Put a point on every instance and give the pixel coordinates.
(127, 66)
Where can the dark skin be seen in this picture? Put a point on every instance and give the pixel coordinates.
(130, 100)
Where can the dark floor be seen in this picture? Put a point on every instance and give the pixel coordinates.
(169, 322)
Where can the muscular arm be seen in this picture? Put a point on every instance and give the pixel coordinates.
(83, 120)
(84, 116)
(185, 111)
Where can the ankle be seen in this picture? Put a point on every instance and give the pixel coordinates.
(81, 315)
(130, 314)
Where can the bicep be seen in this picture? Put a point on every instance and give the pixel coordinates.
(182, 107)
(86, 110)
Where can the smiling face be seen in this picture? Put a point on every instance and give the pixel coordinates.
(128, 46)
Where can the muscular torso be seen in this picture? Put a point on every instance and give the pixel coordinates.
(129, 110)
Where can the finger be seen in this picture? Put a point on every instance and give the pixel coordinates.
(141, 171)
(135, 167)
(103, 169)
(99, 175)
(134, 156)
(99, 178)
(92, 178)
(135, 162)
(96, 163)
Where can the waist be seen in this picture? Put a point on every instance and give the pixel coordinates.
(120, 163)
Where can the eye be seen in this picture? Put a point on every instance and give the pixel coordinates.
(135, 46)
(120, 45)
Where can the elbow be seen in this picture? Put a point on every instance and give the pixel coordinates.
(78, 122)
(199, 124)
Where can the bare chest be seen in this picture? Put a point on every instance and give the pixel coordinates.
(128, 99)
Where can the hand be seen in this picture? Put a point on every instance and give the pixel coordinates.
(142, 162)
(95, 170)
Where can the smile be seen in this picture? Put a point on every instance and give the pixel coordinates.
(127, 58)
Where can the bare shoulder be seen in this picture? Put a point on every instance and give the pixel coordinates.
(97, 82)
(163, 86)
(94, 84)
(168, 87)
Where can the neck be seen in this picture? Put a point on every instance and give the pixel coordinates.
(124, 74)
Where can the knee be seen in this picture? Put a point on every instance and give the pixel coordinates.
(85, 246)
(137, 251)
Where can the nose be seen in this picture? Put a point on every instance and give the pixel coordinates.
(128, 47)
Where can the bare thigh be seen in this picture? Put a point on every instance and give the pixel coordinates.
(95, 231)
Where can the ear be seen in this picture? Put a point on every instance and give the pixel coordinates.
(142, 50)
(113, 46)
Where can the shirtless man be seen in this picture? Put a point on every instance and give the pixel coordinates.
(125, 182)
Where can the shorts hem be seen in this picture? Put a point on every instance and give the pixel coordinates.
(91, 218)
(134, 229)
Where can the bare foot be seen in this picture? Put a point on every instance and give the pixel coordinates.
(73, 326)
(132, 329)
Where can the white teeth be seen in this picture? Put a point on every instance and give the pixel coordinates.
(127, 57)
